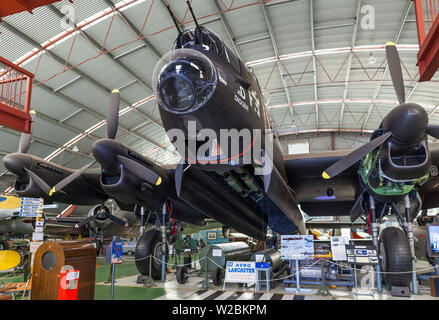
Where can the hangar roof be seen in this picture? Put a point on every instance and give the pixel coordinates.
(321, 65)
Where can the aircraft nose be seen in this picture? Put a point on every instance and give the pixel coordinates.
(16, 162)
(184, 80)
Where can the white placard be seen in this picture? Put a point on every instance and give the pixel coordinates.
(39, 229)
(217, 253)
(39, 223)
(259, 257)
(33, 247)
(72, 275)
(36, 236)
(338, 248)
(297, 247)
(240, 272)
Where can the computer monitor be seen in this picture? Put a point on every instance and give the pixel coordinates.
(433, 240)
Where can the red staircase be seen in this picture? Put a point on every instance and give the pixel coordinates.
(427, 23)
(15, 96)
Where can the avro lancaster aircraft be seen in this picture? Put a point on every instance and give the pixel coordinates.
(241, 178)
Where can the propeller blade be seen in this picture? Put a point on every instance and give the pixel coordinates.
(433, 131)
(356, 210)
(113, 114)
(84, 222)
(118, 220)
(144, 173)
(26, 138)
(394, 63)
(63, 183)
(354, 156)
(40, 182)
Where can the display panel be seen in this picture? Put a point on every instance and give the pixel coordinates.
(433, 241)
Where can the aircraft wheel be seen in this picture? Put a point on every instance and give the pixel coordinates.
(395, 257)
(217, 277)
(182, 275)
(150, 244)
(4, 245)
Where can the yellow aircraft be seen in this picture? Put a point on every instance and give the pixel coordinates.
(9, 207)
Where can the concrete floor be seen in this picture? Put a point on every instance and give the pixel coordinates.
(126, 288)
(192, 290)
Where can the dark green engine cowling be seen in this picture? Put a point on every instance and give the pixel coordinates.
(372, 176)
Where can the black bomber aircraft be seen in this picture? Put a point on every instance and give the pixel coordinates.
(204, 90)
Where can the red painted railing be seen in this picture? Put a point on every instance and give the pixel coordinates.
(15, 96)
(427, 24)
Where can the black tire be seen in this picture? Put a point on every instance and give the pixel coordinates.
(217, 277)
(23, 252)
(181, 275)
(150, 243)
(4, 245)
(395, 257)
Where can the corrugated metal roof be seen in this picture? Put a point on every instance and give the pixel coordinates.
(334, 23)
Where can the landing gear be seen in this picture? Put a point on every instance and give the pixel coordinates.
(149, 251)
(395, 257)
(182, 275)
(395, 248)
(217, 277)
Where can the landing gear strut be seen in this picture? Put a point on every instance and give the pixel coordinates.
(396, 250)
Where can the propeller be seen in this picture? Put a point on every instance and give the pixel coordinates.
(113, 114)
(39, 182)
(355, 156)
(118, 220)
(26, 138)
(394, 64)
(91, 218)
(112, 124)
(63, 183)
(84, 222)
(142, 172)
(433, 130)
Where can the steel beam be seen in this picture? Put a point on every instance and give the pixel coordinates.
(87, 77)
(132, 26)
(228, 30)
(75, 70)
(311, 18)
(276, 52)
(98, 46)
(348, 69)
(395, 40)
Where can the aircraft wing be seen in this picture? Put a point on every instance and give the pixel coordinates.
(318, 196)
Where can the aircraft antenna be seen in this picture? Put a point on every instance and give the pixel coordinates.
(173, 19)
(193, 16)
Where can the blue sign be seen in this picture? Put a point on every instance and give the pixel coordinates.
(262, 265)
(116, 251)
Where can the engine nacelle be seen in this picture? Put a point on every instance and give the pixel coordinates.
(17, 227)
(26, 187)
(101, 216)
(122, 185)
